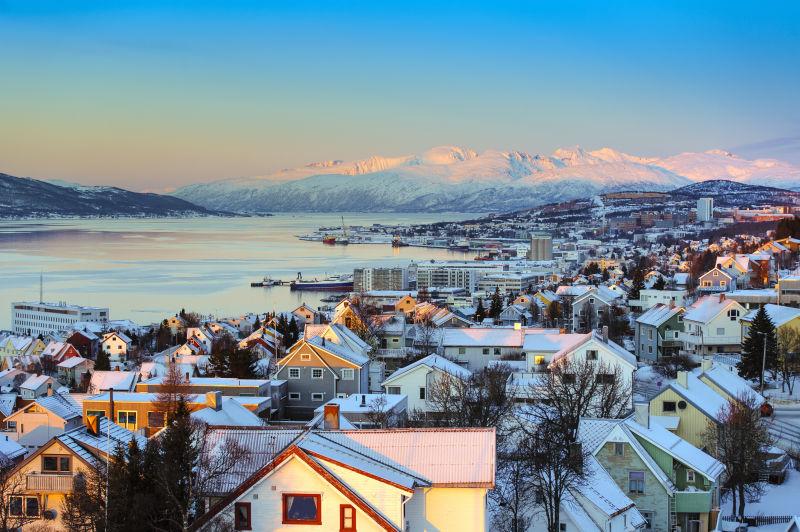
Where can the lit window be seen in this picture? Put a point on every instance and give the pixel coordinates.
(301, 509)
(347, 518)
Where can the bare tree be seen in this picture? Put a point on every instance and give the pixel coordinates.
(738, 441)
(788, 357)
(425, 335)
(12, 511)
(83, 508)
(512, 494)
(670, 366)
(573, 388)
(172, 391)
(380, 415)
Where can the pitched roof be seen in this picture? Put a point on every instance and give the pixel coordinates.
(779, 314)
(231, 413)
(707, 308)
(338, 350)
(730, 382)
(658, 314)
(699, 394)
(88, 446)
(72, 362)
(35, 382)
(118, 380)
(433, 362)
(61, 405)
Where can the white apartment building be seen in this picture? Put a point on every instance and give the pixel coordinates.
(705, 209)
(44, 318)
(368, 279)
(508, 282)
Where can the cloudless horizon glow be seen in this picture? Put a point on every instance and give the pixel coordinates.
(153, 95)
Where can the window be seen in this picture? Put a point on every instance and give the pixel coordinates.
(619, 449)
(294, 396)
(11, 425)
(715, 274)
(317, 396)
(348, 374)
(706, 284)
(241, 512)
(156, 419)
(316, 373)
(422, 393)
(722, 284)
(668, 406)
(341, 396)
(690, 475)
(347, 518)
(20, 506)
(562, 527)
(393, 390)
(733, 314)
(497, 351)
(605, 378)
(485, 351)
(720, 331)
(127, 419)
(462, 350)
(591, 354)
(538, 360)
(56, 464)
(301, 509)
(648, 520)
(636, 481)
(294, 373)
(305, 356)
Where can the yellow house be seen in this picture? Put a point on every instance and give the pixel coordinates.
(41, 481)
(405, 304)
(17, 346)
(176, 325)
(782, 318)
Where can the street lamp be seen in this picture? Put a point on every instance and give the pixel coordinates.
(763, 359)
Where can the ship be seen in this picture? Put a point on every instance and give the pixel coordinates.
(334, 283)
(329, 239)
(397, 242)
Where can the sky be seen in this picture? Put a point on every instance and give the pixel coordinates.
(154, 95)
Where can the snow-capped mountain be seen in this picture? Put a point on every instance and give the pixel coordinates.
(450, 178)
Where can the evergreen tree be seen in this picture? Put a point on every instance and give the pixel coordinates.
(242, 364)
(178, 453)
(753, 347)
(103, 363)
(638, 284)
(480, 311)
(605, 275)
(218, 364)
(554, 312)
(534, 310)
(294, 331)
(496, 306)
(257, 324)
(660, 284)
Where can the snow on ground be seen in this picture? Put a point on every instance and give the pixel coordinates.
(777, 500)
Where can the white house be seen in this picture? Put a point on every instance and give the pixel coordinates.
(711, 325)
(475, 347)
(116, 346)
(35, 424)
(364, 480)
(415, 379)
(36, 386)
(650, 297)
(588, 307)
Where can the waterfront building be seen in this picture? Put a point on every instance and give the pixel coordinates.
(366, 279)
(44, 318)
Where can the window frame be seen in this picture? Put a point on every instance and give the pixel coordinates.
(619, 446)
(289, 373)
(423, 393)
(342, 509)
(315, 372)
(298, 398)
(248, 525)
(285, 509)
(691, 473)
(127, 419)
(637, 490)
(393, 390)
(24, 506)
(314, 396)
(163, 414)
(58, 470)
(348, 374)
(665, 403)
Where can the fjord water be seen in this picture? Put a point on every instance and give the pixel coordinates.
(146, 269)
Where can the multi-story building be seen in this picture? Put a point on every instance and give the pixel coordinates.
(45, 318)
(705, 209)
(541, 247)
(711, 325)
(366, 279)
(508, 282)
(657, 332)
(454, 274)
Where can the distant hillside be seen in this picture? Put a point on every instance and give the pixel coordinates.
(24, 197)
(736, 194)
(452, 178)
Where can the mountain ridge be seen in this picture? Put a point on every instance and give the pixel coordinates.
(454, 178)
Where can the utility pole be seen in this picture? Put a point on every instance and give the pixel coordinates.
(763, 359)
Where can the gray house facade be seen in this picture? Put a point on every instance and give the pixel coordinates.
(657, 332)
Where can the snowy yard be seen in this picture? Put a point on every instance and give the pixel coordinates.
(783, 499)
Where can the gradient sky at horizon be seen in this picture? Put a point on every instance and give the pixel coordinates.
(152, 95)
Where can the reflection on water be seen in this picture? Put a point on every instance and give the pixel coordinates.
(147, 269)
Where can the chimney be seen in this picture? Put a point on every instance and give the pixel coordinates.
(641, 414)
(605, 333)
(363, 400)
(186, 378)
(683, 378)
(330, 418)
(93, 425)
(706, 364)
(214, 400)
(49, 389)
(323, 340)
(721, 298)
(111, 404)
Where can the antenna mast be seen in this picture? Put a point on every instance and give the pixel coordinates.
(41, 286)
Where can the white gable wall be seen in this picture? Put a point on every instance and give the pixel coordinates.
(434, 509)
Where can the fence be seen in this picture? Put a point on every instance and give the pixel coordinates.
(758, 520)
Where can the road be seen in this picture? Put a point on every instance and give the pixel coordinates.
(785, 427)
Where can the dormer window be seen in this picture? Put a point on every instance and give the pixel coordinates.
(733, 314)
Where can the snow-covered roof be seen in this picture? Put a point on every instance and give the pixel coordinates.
(678, 448)
(730, 382)
(72, 362)
(602, 491)
(572, 290)
(231, 413)
(61, 405)
(214, 381)
(707, 308)
(341, 351)
(433, 362)
(658, 314)
(488, 336)
(116, 380)
(779, 314)
(119, 335)
(551, 342)
(363, 403)
(90, 447)
(700, 395)
(35, 382)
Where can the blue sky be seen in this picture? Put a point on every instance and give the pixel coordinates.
(156, 94)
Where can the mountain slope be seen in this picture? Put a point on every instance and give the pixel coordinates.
(25, 197)
(445, 178)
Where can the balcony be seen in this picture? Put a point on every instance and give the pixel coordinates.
(708, 339)
(48, 482)
(694, 502)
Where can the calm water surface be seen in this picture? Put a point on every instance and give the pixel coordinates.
(147, 269)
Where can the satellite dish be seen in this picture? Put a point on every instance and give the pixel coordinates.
(682, 405)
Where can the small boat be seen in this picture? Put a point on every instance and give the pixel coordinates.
(342, 240)
(397, 242)
(329, 239)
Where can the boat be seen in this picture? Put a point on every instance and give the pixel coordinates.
(397, 242)
(329, 239)
(344, 239)
(333, 283)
